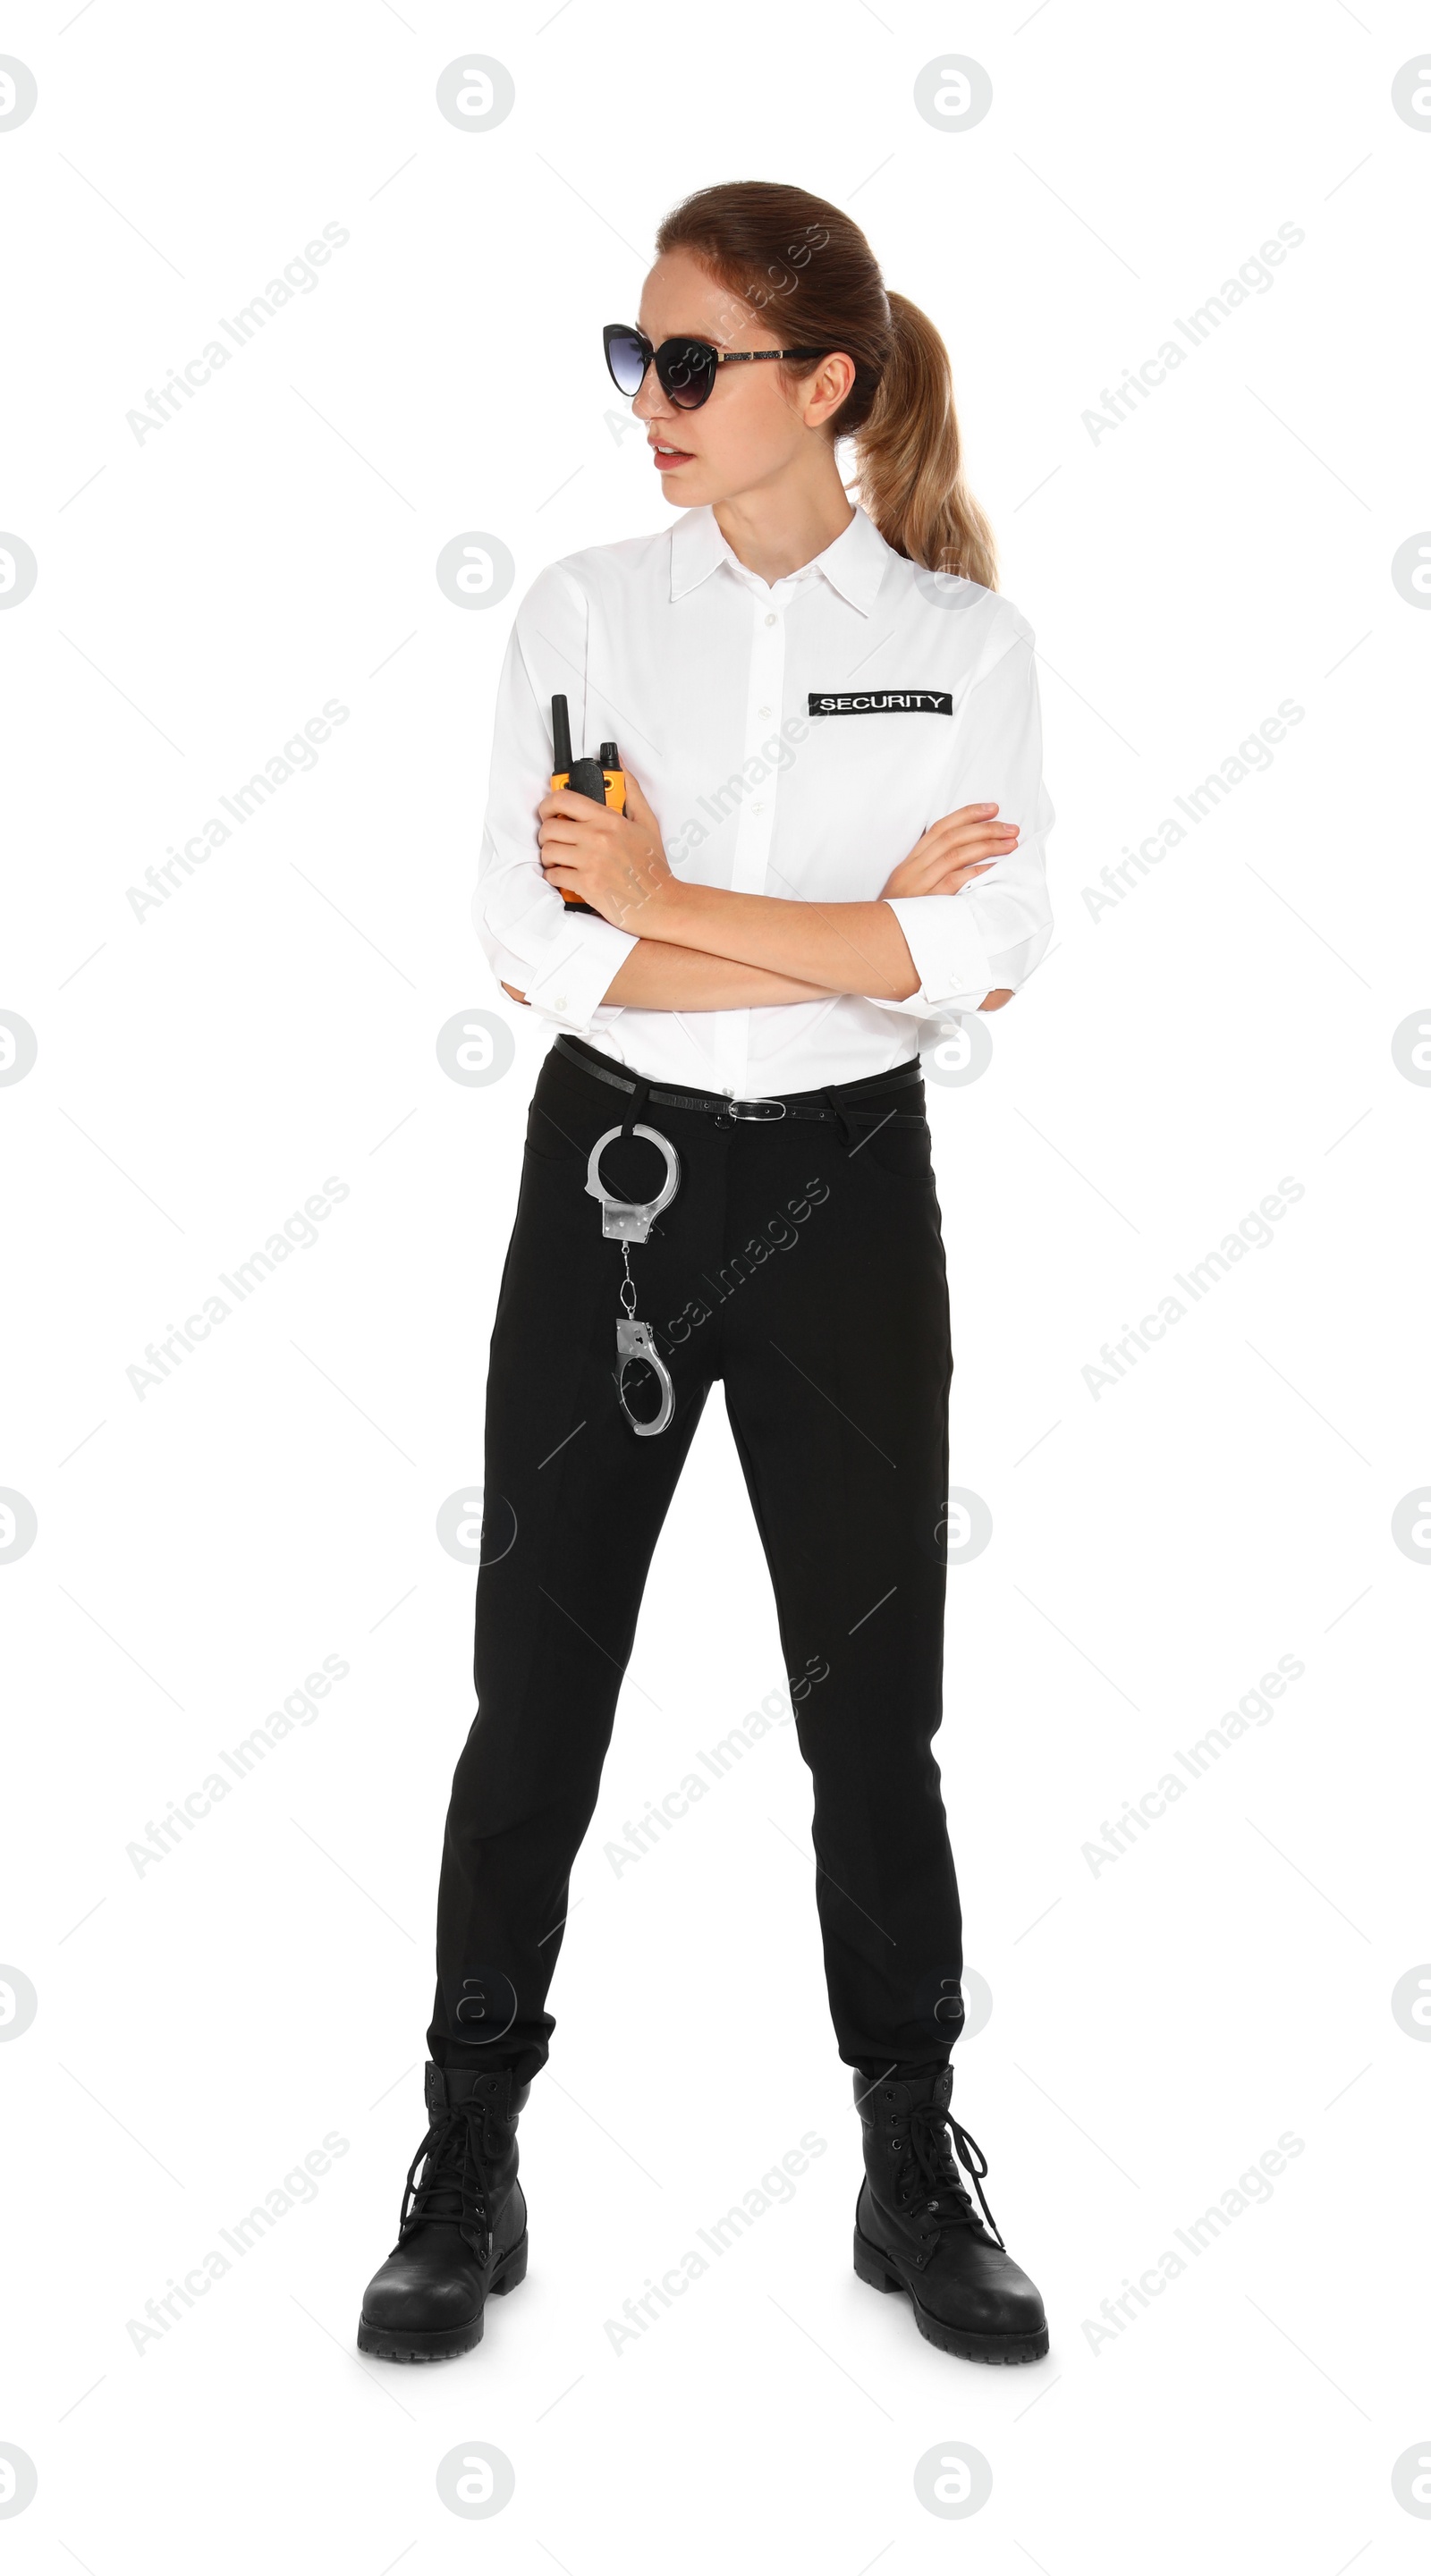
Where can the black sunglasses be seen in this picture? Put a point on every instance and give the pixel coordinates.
(685, 369)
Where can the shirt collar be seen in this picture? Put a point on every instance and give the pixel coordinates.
(854, 564)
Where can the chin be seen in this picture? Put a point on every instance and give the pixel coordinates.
(690, 487)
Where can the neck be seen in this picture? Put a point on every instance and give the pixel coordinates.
(786, 521)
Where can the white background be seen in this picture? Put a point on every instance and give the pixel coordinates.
(1155, 2026)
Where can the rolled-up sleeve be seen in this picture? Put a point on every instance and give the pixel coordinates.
(993, 932)
(563, 961)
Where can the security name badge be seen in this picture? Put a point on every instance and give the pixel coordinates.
(629, 1221)
(881, 702)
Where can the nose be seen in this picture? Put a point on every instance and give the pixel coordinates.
(651, 402)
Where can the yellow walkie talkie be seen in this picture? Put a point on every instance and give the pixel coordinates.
(602, 780)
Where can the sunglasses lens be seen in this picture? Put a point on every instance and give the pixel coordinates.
(626, 359)
(687, 372)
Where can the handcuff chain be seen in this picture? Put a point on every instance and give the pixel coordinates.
(630, 1221)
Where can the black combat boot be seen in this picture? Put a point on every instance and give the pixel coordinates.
(916, 2228)
(463, 2228)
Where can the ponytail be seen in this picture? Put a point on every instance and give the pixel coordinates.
(911, 476)
(806, 271)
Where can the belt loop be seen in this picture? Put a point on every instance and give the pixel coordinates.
(837, 1113)
(640, 1103)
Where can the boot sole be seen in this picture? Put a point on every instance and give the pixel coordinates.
(444, 2343)
(873, 2267)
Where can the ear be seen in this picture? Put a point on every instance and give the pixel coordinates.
(827, 388)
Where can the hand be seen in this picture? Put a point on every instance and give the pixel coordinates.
(615, 860)
(955, 850)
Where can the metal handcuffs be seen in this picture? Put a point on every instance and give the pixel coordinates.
(629, 1221)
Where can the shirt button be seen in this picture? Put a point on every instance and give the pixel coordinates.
(765, 711)
(770, 618)
(757, 809)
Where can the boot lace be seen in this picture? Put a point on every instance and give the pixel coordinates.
(936, 2139)
(453, 2185)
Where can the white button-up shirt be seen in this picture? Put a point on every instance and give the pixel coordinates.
(794, 738)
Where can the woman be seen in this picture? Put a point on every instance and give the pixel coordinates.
(833, 832)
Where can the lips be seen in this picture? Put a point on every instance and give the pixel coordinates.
(668, 458)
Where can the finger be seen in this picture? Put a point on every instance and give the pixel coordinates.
(979, 857)
(564, 800)
(978, 817)
(962, 854)
(953, 878)
(946, 876)
(952, 853)
(950, 834)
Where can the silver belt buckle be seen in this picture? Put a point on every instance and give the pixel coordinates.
(761, 1110)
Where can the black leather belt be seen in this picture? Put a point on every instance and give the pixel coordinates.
(842, 1100)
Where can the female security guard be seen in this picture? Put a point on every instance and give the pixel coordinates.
(833, 832)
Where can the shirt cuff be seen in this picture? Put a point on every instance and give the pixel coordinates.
(949, 955)
(590, 954)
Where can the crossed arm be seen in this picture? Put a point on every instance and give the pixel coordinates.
(659, 977)
(700, 948)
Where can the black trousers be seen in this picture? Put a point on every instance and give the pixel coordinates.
(802, 1264)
